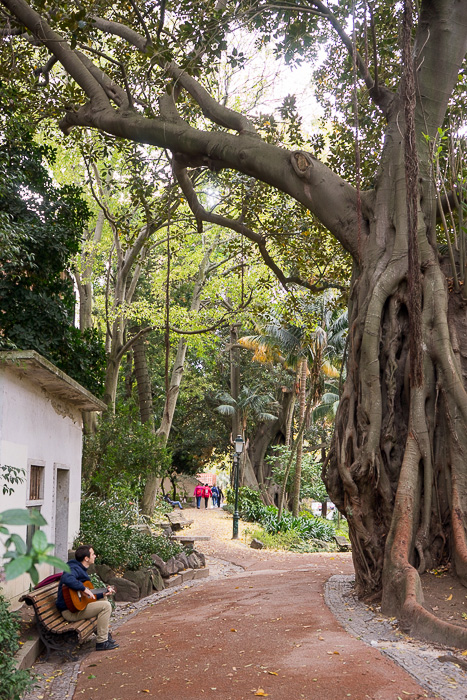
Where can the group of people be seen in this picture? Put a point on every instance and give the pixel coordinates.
(207, 492)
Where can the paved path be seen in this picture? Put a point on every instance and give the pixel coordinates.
(262, 630)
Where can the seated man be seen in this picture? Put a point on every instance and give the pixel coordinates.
(173, 503)
(98, 607)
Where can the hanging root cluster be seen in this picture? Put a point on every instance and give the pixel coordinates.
(398, 466)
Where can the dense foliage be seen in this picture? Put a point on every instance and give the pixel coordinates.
(40, 230)
(13, 683)
(109, 526)
(121, 453)
(305, 528)
(311, 485)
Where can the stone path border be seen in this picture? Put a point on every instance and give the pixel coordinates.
(419, 659)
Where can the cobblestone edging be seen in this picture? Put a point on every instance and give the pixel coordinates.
(419, 659)
(57, 679)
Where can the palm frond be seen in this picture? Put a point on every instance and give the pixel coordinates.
(225, 410)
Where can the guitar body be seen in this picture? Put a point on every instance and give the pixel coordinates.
(75, 600)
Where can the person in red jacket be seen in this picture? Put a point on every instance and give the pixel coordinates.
(199, 493)
(206, 494)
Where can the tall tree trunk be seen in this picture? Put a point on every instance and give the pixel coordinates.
(298, 464)
(143, 381)
(153, 481)
(235, 377)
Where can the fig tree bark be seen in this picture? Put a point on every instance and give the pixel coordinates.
(397, 468)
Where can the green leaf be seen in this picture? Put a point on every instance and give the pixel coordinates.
(34, 574)
(22, 516)
(53, 561)
(18, 566)
(18, 542)
(39, 541)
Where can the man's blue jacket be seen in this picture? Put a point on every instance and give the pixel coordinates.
(74, 579)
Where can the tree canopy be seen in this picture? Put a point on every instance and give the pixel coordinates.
(40, 231)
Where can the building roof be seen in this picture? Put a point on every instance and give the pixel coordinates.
(28, 363)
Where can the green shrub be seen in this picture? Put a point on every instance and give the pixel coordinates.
(291, 540)
(121, 454)
(307, 533)
(250, 504)
(109, 527)
(13, 683)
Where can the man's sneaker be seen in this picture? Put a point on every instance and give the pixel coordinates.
(107, 645)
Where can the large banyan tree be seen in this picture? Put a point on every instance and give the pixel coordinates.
(141, 70)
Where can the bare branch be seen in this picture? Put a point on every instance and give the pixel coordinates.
(211, 109)
(45, 70)
(117, 29)
(201, 214)
(142, 22)
(113, 91)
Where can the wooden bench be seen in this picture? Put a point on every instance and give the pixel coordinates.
(55, 632)
(177, 521)
(343, 543)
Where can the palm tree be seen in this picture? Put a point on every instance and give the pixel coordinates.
(251, 404)
(311, 353)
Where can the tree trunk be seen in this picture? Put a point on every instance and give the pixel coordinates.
(143, 381)
(153, 481)
(396, 469)
(298, 463)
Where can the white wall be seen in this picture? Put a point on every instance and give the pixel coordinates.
(38, 429)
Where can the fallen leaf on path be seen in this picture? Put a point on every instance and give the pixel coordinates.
(145, 691)
(91, 676)
(449, 597)
(233, 629)
(273, 673)
(261, 692)
(464, 653)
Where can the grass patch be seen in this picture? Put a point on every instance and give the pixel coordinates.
(290, 541)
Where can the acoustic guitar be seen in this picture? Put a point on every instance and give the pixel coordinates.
(76, 600)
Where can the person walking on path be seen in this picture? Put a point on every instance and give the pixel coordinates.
(99, 606)
(220, 497)
(199, 493)
(215, 496)
(207, 493)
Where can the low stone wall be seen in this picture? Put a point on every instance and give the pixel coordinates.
(134, 585)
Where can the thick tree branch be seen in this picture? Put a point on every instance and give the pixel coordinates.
(223, 116)
(327, 196)
(61, 50)
(121, 30)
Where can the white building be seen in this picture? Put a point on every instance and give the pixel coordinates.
(41, 431)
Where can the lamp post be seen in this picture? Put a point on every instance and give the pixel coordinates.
(236, 465)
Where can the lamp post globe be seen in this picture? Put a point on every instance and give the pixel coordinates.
(236, 467)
